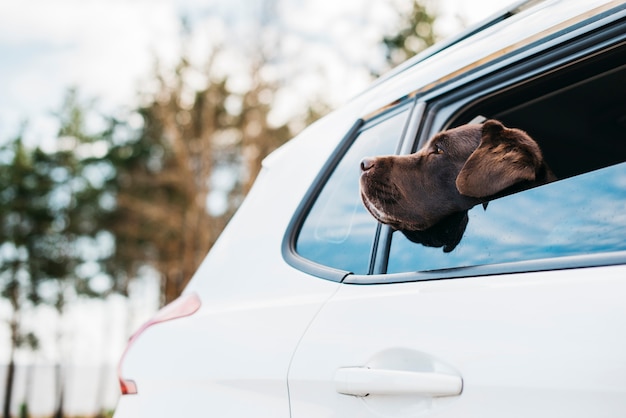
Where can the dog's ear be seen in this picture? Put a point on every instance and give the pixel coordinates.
(503, 158)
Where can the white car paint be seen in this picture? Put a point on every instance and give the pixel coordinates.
(542, 344)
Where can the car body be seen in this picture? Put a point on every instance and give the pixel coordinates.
(307, 307)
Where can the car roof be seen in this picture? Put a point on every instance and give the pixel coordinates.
(516, 27)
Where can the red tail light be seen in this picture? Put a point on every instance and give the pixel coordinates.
(183, 306)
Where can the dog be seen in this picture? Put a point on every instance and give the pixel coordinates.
(427, 194)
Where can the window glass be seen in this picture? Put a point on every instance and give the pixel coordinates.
(339, 232)
(585, 214)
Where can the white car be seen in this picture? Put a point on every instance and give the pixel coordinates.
(308, 307)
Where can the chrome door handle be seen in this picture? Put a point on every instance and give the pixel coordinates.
(362, 381)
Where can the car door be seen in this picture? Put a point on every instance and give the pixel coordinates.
(541, 344)
(526, 319)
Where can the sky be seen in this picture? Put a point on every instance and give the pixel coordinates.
(107, 50)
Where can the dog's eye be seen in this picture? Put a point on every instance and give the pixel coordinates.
(438, 149)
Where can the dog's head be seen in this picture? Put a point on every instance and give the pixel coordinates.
(455, 170)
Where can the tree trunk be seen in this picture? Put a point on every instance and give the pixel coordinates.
(10, 377)
(58, 412)
(8, 389)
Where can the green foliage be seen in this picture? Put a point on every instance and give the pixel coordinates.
(26, 220)
(416, 33)
(23, 410)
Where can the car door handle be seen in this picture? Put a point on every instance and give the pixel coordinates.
(363, 381)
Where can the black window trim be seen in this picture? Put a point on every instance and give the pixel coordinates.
(289, 252)
(603, 28)
(380, 253)
(526, 71)
(502, 75)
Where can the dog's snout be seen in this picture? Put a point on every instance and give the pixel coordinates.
(367, 164)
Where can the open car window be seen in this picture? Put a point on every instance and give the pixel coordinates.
(581, 215)
(577, 115)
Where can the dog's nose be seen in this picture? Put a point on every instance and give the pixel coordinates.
(367, 164)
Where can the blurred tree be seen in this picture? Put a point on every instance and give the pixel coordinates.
(416, 33)
(161, 183)
(258, 136)
(165, 175)
(53, 248)
(24, 219)
(80, 172)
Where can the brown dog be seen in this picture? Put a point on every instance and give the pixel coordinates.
(456, 170)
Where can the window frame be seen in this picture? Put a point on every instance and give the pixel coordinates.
(409, 130)
(453, 98)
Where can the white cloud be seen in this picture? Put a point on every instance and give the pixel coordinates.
(106, 47)
(103, 47)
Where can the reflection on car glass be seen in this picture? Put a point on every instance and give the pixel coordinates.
(338, 232)
(426, 194)
(585, 214)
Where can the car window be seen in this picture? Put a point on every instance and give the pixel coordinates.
(584, 214)
(338, 232)
(583, 142)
